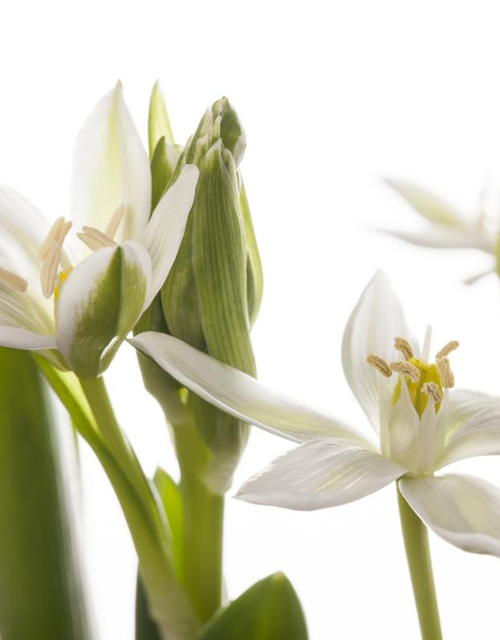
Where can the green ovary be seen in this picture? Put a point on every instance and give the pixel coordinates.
(419, 399)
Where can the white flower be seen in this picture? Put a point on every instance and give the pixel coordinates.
(75, 307)
(447, 228)
(422, 425)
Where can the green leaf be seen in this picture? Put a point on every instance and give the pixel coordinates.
(159, 123)
(41, 590)
(145, 626)
(269, 610)
(172, 503)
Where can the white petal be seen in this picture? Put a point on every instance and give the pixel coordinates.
(23, 311)
(163, 235)
(99, 304)
(376, 320)
(462, 509)
(428, 205)
(321, 473)
(475, 431)
(446, 238)
(464, 405)
(26, 340)
(111, 170)
(22, 231)
(237, 393)
(403, 429)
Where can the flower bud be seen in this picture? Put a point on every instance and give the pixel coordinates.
(212, 295)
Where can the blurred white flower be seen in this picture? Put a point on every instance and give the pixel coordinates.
(447, 227)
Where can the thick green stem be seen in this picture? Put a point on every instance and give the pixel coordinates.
(419, 562)
(203, 524)
(203, 537)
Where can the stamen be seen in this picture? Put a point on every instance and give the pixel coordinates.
(13, 281)
(95, 239)
(58, 232)
(48, 273)
(402, 345)
(447, 349)
(114, 222)
(55, 229)
(407, 369)
(379, 364)
(445, 373)
(433, 391)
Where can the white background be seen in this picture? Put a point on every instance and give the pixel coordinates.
(333, 96)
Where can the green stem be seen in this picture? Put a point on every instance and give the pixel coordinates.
(419, 563)
(203, 524)
(93, 415)
(203, 536)
(98, 399)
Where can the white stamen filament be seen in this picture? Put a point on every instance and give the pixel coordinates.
(13, 281)
(114, 222)
(95, 239)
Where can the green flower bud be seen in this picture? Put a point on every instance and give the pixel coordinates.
(212, 295)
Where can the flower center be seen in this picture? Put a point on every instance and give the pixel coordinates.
(52, 255)
(425, 381)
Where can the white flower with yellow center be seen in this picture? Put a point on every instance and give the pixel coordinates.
(423, 425)
(77, 306)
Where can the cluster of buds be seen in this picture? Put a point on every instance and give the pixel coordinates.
(212, 295)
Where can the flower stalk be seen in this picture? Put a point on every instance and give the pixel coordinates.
(416, 542)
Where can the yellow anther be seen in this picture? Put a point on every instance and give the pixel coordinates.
(407, 369)
(445, 373)
(95, 239)
(447, 349)
(402, 345)
(433, 391)
(114, 222)
(13, 281)
(379, 364)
